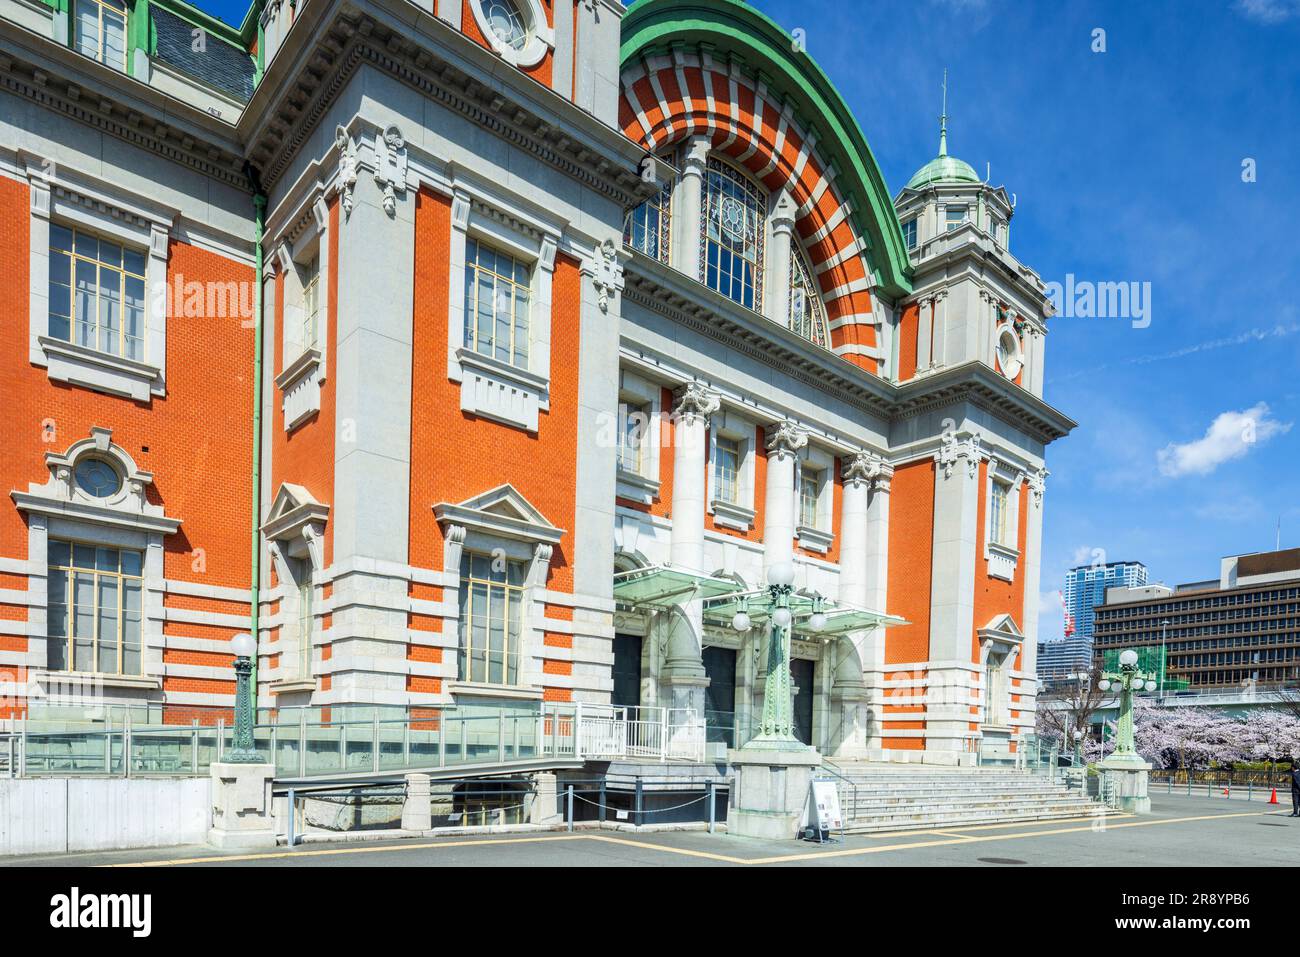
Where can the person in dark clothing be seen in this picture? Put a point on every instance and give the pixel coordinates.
(1295, 789)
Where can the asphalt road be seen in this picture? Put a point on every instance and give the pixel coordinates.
(1180, 831)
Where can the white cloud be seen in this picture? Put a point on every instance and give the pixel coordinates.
(1230, 436)
(1268, 11)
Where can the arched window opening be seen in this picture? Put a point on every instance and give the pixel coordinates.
(731, 235)
(807, 315)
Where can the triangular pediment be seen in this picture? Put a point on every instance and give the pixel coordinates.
(288, 498)
(1003, 625)
(502, 510)
(507, 502)
(292, 509)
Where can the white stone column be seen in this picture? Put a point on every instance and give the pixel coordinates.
(1036, 486)
(785, 439)
(952, 601)
(779, 256)
(864, 543)
(681, 675)
(690, 206)
(694, 405)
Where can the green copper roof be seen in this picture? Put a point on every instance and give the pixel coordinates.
(943, 169)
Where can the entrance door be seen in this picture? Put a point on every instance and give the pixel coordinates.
(627, 671)
(720, 695)
(801, 674)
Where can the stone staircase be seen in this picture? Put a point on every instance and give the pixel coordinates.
(883, 797)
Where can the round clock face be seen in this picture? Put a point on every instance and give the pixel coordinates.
(96, 477)
(731, 216)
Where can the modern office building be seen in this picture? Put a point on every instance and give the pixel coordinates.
(1242, 629)
(477, 351)
(1064, 659)
(1085, 588)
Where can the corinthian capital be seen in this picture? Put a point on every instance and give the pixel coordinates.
(693, 401)
(864, 468)
(786, 438)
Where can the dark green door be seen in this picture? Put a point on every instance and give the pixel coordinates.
(720, 695)
(627, 671)
(801, 674)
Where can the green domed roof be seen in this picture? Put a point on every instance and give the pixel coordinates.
(943, 169)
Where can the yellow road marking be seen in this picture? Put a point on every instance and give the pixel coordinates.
(956, 838)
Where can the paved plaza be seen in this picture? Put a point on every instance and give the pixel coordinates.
(1180, 831)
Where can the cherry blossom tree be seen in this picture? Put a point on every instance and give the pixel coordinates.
(1271, 734)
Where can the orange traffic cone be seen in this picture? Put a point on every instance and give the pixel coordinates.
(1273, 798)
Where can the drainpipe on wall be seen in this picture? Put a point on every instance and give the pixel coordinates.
(259, 223)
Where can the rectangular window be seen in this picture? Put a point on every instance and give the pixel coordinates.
(96, 293)
(726, 470)
(311, 303)
(954, 216)
(809, 482)
(496, 304)
(491, 601)
(999, 510)
(632, 437)
(95, 609)
(101, 31)
(306, 617)
(909, 233)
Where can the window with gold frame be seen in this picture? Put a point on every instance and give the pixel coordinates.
(97, 293)
(491, 616)
(95, 610)
(101, 31)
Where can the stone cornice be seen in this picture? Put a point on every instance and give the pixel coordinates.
(294, 98)
(660, 289)
(58, 79)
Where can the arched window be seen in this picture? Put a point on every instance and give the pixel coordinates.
(648, 226)
(731, 235)
(506, 22)
(807, 317)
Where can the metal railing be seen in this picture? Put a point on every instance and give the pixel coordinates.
(336, 740)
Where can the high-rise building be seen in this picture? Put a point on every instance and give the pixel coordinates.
(1085, 588)
(574, 319)
(1241, 630)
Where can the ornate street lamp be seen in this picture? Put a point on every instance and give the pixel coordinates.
(1126, 681)
(243, 750)
(776, 732)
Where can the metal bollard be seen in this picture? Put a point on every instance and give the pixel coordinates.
(638, 800)
(570, 807)
(601, 812)
(712, 808)
(292, 801)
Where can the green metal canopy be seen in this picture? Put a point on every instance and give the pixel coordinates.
(662, 586)
(841, 617)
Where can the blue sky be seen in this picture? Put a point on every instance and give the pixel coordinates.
(1126, 166)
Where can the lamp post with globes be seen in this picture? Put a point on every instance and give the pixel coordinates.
(1126, 681)
(243, 750)
(1128, 771)
(776, 732)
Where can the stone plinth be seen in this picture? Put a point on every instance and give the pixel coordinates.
(241, 806)
(1129, 774)
(417, 808)
(771, 791)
